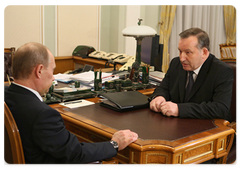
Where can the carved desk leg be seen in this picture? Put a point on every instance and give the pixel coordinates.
(229, 143)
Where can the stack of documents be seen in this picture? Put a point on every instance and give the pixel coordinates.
(65, 78)
(156, 77)
(69, 89)
(86, 78)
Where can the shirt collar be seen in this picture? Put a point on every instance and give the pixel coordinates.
(34, 91)
(197, 70)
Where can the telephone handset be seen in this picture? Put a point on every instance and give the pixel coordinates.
(98, 54)
(110, 56)
(122, 58)
(129, 63)
(82, 51)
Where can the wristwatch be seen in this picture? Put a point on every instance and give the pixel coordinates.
(115, 144)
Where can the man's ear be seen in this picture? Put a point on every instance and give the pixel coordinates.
(205, 52)
(38, 70)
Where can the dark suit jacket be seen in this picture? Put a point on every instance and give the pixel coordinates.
(43, 133)
(211, 93)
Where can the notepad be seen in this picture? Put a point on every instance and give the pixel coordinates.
(76, 103)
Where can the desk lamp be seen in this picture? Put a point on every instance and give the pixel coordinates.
(138, 32)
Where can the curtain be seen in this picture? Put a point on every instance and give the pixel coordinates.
(230, 23)
(167, 18)
(209, 18)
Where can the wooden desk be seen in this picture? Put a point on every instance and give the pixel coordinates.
(161, 139)
(97, 63)
(65, 63)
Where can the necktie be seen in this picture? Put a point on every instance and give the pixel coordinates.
(189, 86)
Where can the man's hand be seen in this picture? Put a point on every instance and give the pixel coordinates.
(124, 138)
(155, 104)
(169, 109)
(159, 104)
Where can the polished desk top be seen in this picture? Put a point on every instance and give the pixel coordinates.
(152, 128)
(148, 124)
(156, 132)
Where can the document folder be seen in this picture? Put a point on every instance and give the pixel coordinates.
(121, 101)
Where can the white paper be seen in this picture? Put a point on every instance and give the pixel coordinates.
(88, 77)
(156, 76)
(70, 89)
(63, 77)
(64, 90)
(76, 103)
(85, 78)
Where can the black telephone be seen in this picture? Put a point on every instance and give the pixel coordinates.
(80, 70)
(83, 51)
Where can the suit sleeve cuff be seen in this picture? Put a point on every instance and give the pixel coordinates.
(152, 97)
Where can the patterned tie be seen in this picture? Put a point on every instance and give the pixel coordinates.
(189, 86)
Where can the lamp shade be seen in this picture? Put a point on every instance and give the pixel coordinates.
(139, 31)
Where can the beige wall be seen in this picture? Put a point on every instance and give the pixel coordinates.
(76, 25)
(22, 24)
(61, 28)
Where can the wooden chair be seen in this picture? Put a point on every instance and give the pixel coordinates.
(228, 52)
(13, 151)
(8, 54)
(228, 55)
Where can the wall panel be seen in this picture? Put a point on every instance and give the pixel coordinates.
(22, 24)
(77, 25)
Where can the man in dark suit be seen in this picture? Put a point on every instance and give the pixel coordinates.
(42, 130)
(209, 95)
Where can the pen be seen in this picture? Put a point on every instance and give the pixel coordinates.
(79, 101)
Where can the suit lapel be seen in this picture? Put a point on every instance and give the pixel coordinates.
(182, 83)
(202, 75)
